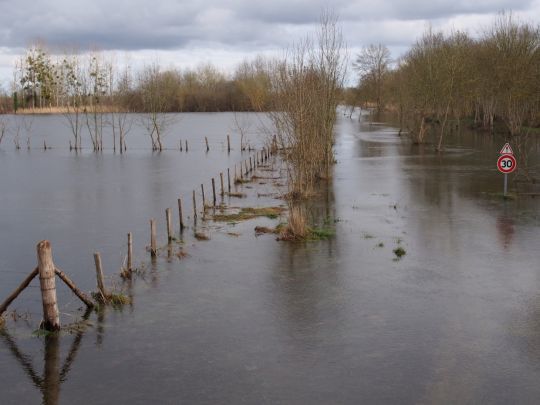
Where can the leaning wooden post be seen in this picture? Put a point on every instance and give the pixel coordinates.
(229, 178)
(99, 276)
(51, 317)
(130, 252)
(213, 192)
(19, 289)
(169, 225)
(206, 140)
(222, 186)
(194, 206)
(228, 143)
(186, 146)
(180, 215)
(82, 296)
(250, 165)
(153, 248)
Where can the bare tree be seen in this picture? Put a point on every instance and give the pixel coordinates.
(372, 65)
(120, 96)
(97, 89)
(306, 87)
(154, 118)
(71, 75)
(243, 125)
(22, 125)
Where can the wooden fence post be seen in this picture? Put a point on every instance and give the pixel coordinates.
(213, 192)
(194, 206)
(130, 252)
(99, 277)
(186, 146)
(206, 140)
(153, 248)
(180, 215)
(169, 225)
(51, 317)
(203, 198)
(222, 186)
(229, 178)
(228, 144)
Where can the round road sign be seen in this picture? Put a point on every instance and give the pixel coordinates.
(506, 163)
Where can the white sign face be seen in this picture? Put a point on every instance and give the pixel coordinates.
(506, 150)
(506, 163)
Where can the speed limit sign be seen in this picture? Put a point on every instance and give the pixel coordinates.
(506, 163)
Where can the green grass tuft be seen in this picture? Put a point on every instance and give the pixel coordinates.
(320, 233)
(399, 252)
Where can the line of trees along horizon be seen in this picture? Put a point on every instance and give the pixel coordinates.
(299, 93)
(43, 80)
(449, 78)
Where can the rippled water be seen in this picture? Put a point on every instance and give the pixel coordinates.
(245, 319)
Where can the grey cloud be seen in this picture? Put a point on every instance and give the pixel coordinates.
(244, 24)
(424, 9)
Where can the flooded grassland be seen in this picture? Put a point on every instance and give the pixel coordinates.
(453, 318)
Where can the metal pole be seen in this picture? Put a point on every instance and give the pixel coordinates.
(505, 183)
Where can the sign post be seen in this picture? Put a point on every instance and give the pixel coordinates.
(506, 164)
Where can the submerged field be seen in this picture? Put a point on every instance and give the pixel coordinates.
(454, 317)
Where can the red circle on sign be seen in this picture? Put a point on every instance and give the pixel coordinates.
(506, 163)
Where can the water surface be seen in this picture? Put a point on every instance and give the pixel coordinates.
(247, 319)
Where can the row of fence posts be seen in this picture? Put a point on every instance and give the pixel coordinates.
(186, 146)
(260, 157)
(47, 270)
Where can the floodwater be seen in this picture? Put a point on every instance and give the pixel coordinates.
(245, 319)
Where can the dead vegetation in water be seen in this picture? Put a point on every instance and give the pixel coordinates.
(201, 236)
(181, 254)
(249, 213)
(261, 230)
(116, 299)
(77, 326)
(237, 195)
(309, 235)
(266, 178)
(297, 228)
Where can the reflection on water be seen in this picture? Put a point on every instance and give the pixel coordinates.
(505, 228)
(54, 371)
(244, 319)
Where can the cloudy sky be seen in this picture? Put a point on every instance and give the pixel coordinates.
(185, 33)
